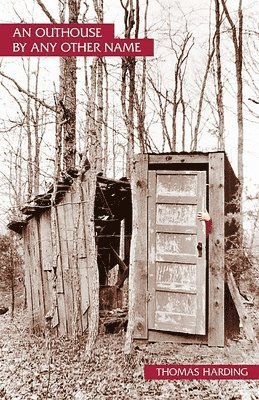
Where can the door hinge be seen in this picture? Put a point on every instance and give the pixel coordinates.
(148, 296)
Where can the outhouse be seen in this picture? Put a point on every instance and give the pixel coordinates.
(179, 272)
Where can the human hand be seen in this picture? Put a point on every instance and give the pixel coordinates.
(203, 216)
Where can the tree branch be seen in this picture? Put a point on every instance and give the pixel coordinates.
(32, 96)
(46, 12)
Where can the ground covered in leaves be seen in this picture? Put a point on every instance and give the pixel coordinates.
(34, 368)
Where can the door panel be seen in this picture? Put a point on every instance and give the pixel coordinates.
(176, 272)
(173, 277)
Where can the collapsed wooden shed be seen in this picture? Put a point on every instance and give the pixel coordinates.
(179, 273)
(112, 233)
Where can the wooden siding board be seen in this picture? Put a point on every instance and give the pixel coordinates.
(42, 283)
(28, 283)
(216, 251)
(37, 279)
(140, 262)
(46, 242)
(86, 299)
(78, 250)
(60, 312)
(64, 257)
(82, 264)
(33, 278)
(46, 257)
(152, 250)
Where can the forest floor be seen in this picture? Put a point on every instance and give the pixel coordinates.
(34, 368)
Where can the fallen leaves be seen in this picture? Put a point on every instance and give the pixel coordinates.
(33, 370)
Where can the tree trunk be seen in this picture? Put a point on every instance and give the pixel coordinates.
(29, 134)
(128, 85)
(12, 282)
(37, 136)
(220, 105)
(68, 102)
(237, 38)
(200, 104)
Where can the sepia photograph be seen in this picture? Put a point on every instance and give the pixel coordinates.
(129, 216)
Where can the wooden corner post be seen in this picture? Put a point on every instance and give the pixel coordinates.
(139, 241)
(216, 251)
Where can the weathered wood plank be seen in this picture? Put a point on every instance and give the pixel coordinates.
(82, 263)
(139, 200)
(156, 336)
(78, 251)
(177, 258)
(216, 251)
(60, 312)
(46, 257)
(46, 242)
(64, 258)
(38, 276)
(176, 229)
(33, 277)
(177, 158)
(152, 247)
(28, 273)
(192, 200)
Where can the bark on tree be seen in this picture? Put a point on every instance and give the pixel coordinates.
(105, 120)
(237, 38)
(220, 105)
(140, 98)
(69, 99)
(99, 115)
(29, 134)
(128, 66)
(36, 122)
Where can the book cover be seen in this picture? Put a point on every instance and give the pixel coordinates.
(129, 221)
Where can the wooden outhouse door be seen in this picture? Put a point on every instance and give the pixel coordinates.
(176, 251)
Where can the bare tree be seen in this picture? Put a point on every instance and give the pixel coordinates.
(237, 38)
(179, 71)
(211, 52)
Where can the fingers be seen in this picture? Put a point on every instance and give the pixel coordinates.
(203, 216)
(200, 216)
